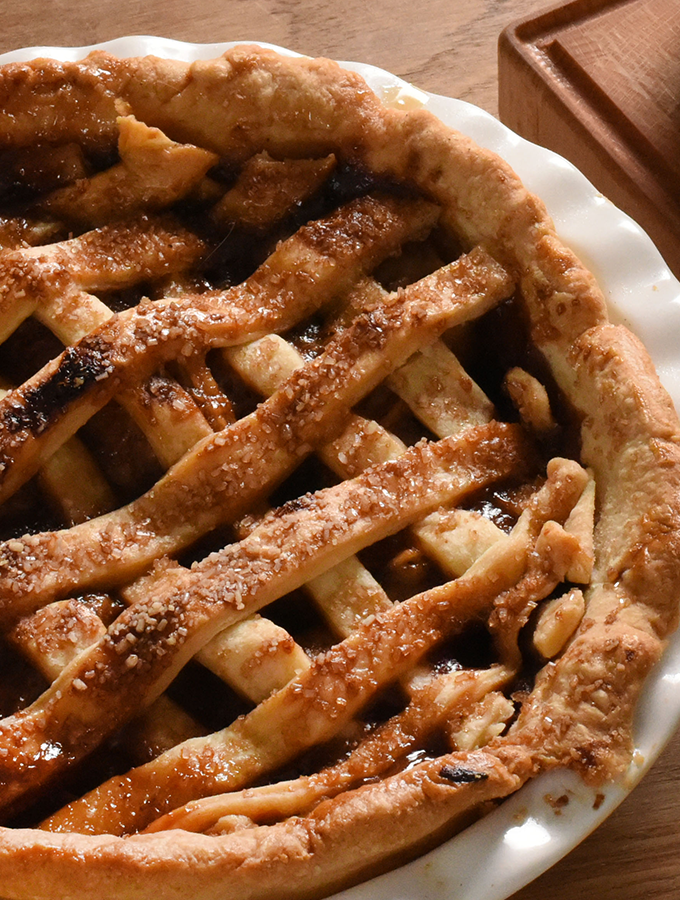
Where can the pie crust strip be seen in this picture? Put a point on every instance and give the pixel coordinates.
(207, 484)
(79, 497)
(50, 282)
(150, 641)
(439, 698)
(266, 671)
(227, 654)
(449, 402)
(313, 707)
(110, 257)
(303, 273)
(256, 658)
(153, 173)
(348, 593)
(268, 190)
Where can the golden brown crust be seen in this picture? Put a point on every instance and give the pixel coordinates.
(581, 709)
(301, 857)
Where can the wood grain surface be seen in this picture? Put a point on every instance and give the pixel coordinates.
(598, 81)
(439, 45)
(450, 48)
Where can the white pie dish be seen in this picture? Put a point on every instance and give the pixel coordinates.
(524, 836)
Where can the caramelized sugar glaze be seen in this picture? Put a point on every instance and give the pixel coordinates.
(334, 508)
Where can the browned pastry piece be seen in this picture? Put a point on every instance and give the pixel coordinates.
(385, 485)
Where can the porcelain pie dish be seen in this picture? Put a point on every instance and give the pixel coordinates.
(530, 639)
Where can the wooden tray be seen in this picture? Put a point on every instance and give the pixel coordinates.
(598, 81)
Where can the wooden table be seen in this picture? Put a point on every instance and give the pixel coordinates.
(450, 48)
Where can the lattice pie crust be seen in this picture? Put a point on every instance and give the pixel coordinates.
(335, 509)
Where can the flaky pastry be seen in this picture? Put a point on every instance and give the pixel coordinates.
(335, 508)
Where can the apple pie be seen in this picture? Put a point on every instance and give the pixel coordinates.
(334, 508)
